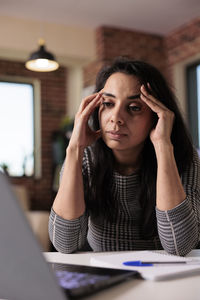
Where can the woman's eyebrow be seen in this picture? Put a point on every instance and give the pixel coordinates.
(134, 96)
(129, 97)
(109, 95)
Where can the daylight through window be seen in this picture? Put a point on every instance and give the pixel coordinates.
(17, 128)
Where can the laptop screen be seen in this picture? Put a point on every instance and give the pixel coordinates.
(24, 273)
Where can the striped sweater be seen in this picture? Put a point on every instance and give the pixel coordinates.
(178, 228)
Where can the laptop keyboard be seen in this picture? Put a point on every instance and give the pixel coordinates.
(78, 281)
(77, 284)
(74, 280)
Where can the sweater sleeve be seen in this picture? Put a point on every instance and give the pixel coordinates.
(179, 228)
(68, 236)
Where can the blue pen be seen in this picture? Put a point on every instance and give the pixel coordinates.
(139, 263)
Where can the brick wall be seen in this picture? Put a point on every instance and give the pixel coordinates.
(112, 42)
(183, 43)
(162, 52)
(53, 108)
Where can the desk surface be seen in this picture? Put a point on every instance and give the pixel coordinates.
(186, 288)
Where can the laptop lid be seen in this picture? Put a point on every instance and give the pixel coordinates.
(24, 273)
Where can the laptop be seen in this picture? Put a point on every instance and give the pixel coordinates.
(24, 273)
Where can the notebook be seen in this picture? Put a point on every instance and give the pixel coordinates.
(156, 272)
(24, 273)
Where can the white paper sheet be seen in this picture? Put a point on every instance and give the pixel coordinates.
(157, 272)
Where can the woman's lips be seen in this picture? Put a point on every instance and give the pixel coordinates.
(115, 135)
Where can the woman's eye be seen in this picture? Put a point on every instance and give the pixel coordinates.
(107, 104)
(134, 108)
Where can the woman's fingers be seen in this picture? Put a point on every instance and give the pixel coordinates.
(165, 121)
(146, 96)
(86, 101)
(82, 134)
(88, 105)
(88, 110)
(155, 105)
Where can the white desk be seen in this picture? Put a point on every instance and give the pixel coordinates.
(187, 288)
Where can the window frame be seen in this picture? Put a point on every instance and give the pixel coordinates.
(192, 102)
(179, 83)
(37, 117)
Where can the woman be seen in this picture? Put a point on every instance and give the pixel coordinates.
(130, 177)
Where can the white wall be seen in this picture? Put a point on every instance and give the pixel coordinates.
(73, 47)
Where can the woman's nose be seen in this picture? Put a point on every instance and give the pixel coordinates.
(117, 117)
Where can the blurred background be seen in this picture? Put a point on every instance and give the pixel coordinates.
(37, 108)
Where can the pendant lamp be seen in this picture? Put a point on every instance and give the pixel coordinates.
(41, 60)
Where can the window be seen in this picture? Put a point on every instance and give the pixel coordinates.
(19, 136)
(193, 93)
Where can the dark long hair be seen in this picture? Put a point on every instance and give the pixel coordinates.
(99, 194)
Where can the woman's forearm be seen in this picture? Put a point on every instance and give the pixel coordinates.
(170, 191)
(67, 236)
(178, 228)
(69, 202)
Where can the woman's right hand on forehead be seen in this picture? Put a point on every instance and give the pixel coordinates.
(83, 135)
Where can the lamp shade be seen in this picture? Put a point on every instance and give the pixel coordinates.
(42, 60)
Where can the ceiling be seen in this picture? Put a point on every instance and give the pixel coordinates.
(153, 16)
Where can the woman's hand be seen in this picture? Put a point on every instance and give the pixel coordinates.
(83, 135)
(69, 202)
(162, 131)
(169, 188)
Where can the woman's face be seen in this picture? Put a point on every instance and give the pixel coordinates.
(125, 120)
